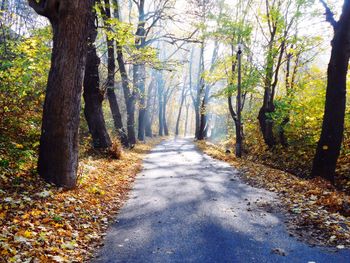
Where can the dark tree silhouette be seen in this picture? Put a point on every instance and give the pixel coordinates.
(112, 98)
(93, 96)
(58, 152)
(328, 147)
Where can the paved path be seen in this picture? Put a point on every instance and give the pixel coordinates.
(187, 207)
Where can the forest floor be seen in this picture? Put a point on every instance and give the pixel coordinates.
(316, 212)
(188, 207)
(41, 223)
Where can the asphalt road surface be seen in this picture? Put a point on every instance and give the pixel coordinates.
(188, 207)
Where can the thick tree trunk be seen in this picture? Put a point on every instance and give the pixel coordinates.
(93, 96)
(58, 152)
(266, 126)
(281, 132)
(328, 147)
(265, 122)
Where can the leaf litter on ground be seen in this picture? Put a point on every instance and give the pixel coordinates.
(316, 212)
(42, 223)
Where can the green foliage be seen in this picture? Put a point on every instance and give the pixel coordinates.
(304, 108)
(123, 34)
(23, 75)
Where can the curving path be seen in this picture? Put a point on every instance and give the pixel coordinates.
(187, 207)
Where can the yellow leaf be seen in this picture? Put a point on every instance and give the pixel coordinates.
(27, 234)
(2, 215)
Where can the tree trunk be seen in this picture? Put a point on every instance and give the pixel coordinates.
(139, 82)
(266, 126)
(93, 96)
(178, 119)
(139, 70)
(165, 125)
(129, 96)
(160, 87)
(58, 151)
(239, 137)
(180, 110)
(200, 87)
(112, 98)
(154, 105)
(203, 116)
(202, 133)
(117, 117)
(148, 123)
(273, 65)
(328, 147)
(186, 119)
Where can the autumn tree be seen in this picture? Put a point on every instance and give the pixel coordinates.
(328, 147)
(280, 17)
(93, 95)
(146, 22)
(111, 68)
(58, 152)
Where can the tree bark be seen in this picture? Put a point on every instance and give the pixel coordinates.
(129, 96)
(154, 106)
(273, 65)
(112, 98)
(160, 87)
(139, 70)
(239, 137)
(179, 114)
(58, 151)
(165, 125)
(139, 82)
(148, 123)
(186, 119)
(202, 133)
(93, 96)
(328, 147)
(200, 88)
